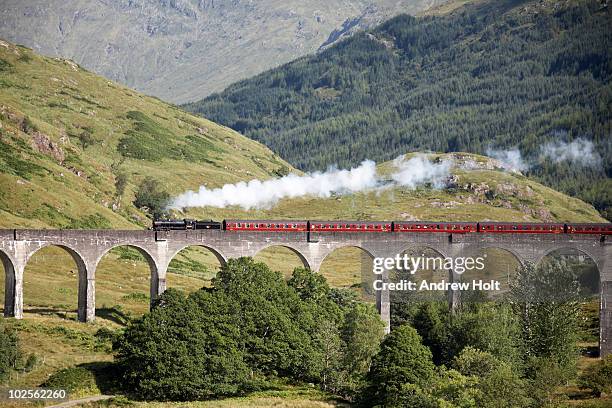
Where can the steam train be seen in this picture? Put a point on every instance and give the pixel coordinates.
(384, 226)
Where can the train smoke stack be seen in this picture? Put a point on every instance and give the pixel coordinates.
(265, 194)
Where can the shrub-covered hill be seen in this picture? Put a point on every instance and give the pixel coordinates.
(488, 74)
(74, 146)
(74, 149)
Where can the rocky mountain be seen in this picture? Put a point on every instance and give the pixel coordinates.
(183, 50)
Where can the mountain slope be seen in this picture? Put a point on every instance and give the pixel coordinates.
(75, 146)
(183, 50)
(68, 137)
(493, 74)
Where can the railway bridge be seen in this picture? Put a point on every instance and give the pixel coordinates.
(87, 247)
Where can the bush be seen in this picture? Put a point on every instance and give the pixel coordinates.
(498, 383)
(121, 180)
(10, 352)
(183, 350)
(486, 326)
(93, 221)
(72, 379)
(86, 139)
(546, 301)
(598, 377)
(402, 361)
(151, 196)
(362, 333)
(31, 363)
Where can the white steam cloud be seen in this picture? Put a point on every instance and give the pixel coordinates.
(579, 151)
(419, 170)
(265, 194)
(511, 159)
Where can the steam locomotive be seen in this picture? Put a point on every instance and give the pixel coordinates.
(385, 226)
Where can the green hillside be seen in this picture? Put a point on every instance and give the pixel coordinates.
(74, 146)
(487, 74)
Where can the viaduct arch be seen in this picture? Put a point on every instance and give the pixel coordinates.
(159, 247)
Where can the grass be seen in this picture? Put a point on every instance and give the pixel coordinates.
(122, 285)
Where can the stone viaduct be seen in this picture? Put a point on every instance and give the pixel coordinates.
(87, 247)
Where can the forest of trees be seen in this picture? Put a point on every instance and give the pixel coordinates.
(496, 75)
(253, 330)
